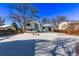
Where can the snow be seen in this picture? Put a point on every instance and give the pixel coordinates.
(46, 25)
(44, 48)
(3, 26)
(38, 45)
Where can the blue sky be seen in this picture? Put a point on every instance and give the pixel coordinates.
(70, 10)
(57, 9)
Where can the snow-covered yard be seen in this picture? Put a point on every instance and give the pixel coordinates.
(28, 36)
(46, 44)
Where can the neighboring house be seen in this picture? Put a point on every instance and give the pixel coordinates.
(47, 27)
(63, 25)
(36, 26)
(69, 25)
(33, 26)
(7, 27)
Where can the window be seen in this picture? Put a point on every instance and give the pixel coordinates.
(28, 24)
(43, 27)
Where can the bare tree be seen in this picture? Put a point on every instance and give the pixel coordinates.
(45, 20)
(22, 12)
(57, 20)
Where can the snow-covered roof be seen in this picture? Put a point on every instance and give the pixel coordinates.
(46, 25)
(3, 26)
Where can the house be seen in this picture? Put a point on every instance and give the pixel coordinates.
(33, 26)
(47, 27)
(69, 27)
(7, 27)
(63, 25)
(36, 26)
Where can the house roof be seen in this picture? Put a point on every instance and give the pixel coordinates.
(3, 26)
(63, 24)
(71, 23)
(46, 24)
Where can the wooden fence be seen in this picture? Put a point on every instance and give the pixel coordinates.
(3, 32)
(70, 31)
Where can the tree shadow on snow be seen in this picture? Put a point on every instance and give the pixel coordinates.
(53, 46)
(18, 48)
(27, 47)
